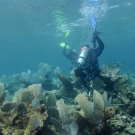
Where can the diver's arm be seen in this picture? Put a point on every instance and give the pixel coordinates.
(64, 52)
(64, 49)
(100, 47)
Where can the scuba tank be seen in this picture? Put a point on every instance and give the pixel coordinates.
(83, 56)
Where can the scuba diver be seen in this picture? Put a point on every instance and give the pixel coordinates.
(72, 54)
(87, 64)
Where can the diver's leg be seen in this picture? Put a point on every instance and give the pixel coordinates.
(100, 48)
(100, 42)
(94, 41)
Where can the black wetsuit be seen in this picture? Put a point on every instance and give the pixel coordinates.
(72, 56)
(90, 69)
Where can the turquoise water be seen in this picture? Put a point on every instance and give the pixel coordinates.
(31, 31)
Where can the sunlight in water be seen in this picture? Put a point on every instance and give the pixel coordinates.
(96, 7)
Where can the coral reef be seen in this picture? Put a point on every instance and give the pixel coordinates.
(67, 127)
(68, 86)
(51, 102)
(1, 86)
(56, 82)
(122, 124)
(30, 94)
(24, 79)
(29, 78)
(44, 68)
(3, 94)
(93, 111)
(109, 112)
(57, 70)
(8, 106)
(12, 83)
(113, 70)
(2, 97)
(12, 122)
(34, 109)
(67, 89)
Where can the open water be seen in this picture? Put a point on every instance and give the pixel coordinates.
(31, 32)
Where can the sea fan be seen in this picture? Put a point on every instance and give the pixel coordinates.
(67, 127)
(93, 111)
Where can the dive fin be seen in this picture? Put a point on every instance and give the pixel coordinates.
(93, 22)
(63, 45)
(94, 25)
(67, 34)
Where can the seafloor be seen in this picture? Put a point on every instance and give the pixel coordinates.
(50, 103)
